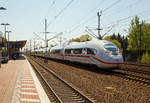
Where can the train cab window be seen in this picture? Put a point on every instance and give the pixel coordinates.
(77, 51)
(67, 51)
(110, 47)
(91, 51)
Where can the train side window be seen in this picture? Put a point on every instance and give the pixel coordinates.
(57, 51)
(77, 51)
(67, 51)
(84, 51)
(91, 51)
(52, 51)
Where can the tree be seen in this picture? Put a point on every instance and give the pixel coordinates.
(136, 29)
(85, 37)
(145, 58)
(134, 34)
(82, 38)
(139, 37)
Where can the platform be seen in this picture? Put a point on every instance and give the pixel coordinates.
(19, 84)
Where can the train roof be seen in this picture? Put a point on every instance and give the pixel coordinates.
(88, 44)
(91, 44)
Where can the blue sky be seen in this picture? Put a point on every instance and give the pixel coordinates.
(27, 16)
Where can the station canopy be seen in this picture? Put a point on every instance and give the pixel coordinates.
(17, 44)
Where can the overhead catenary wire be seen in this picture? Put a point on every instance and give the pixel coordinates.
(51, 5)
(82, 23)
(48, 10)
(86, 20)
(110, 6)
(115, 23)
(85, 16)
(107, 8)
(62, 10)
(127, 25)
(125, 18)
(120, 10)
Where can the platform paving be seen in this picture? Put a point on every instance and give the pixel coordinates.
(19, 84)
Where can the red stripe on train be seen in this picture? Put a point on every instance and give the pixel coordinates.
(78, 56)
(105, 62)
(89, 57)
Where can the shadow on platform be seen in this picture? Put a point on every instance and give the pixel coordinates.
(21, 58)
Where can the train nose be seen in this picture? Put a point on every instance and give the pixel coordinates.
(118, 60)
(109, 66)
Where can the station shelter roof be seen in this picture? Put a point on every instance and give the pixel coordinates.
(17, 44)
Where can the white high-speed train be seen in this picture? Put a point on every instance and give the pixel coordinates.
(101, 53)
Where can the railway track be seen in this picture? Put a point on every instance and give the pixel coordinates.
(59, 90)
(136, 75)
(137, 64)
(132, 77)
(137, 71)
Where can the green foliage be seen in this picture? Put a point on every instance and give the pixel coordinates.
(82, 38)
(145, 58)
(139, 38)
(85, 37)
(75, 40)
(134, 35)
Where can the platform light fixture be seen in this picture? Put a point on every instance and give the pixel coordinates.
(2, 8)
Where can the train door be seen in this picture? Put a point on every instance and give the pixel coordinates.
(86, 57)
(91, 53)
(63, 54)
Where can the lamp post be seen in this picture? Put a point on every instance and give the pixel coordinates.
(5, 24)
(1, 8)
(8, 34)
(8, 41)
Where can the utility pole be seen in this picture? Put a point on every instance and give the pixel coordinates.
(60, 41)
(99, 15)
(140, 34)
(30, 47)
(46, 41)
(34, 46)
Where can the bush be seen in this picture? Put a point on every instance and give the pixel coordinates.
(146, 58)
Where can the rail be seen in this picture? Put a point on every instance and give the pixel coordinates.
(78, 95)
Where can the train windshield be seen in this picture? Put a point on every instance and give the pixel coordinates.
(111, 47)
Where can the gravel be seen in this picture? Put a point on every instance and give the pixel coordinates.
(102, 86)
